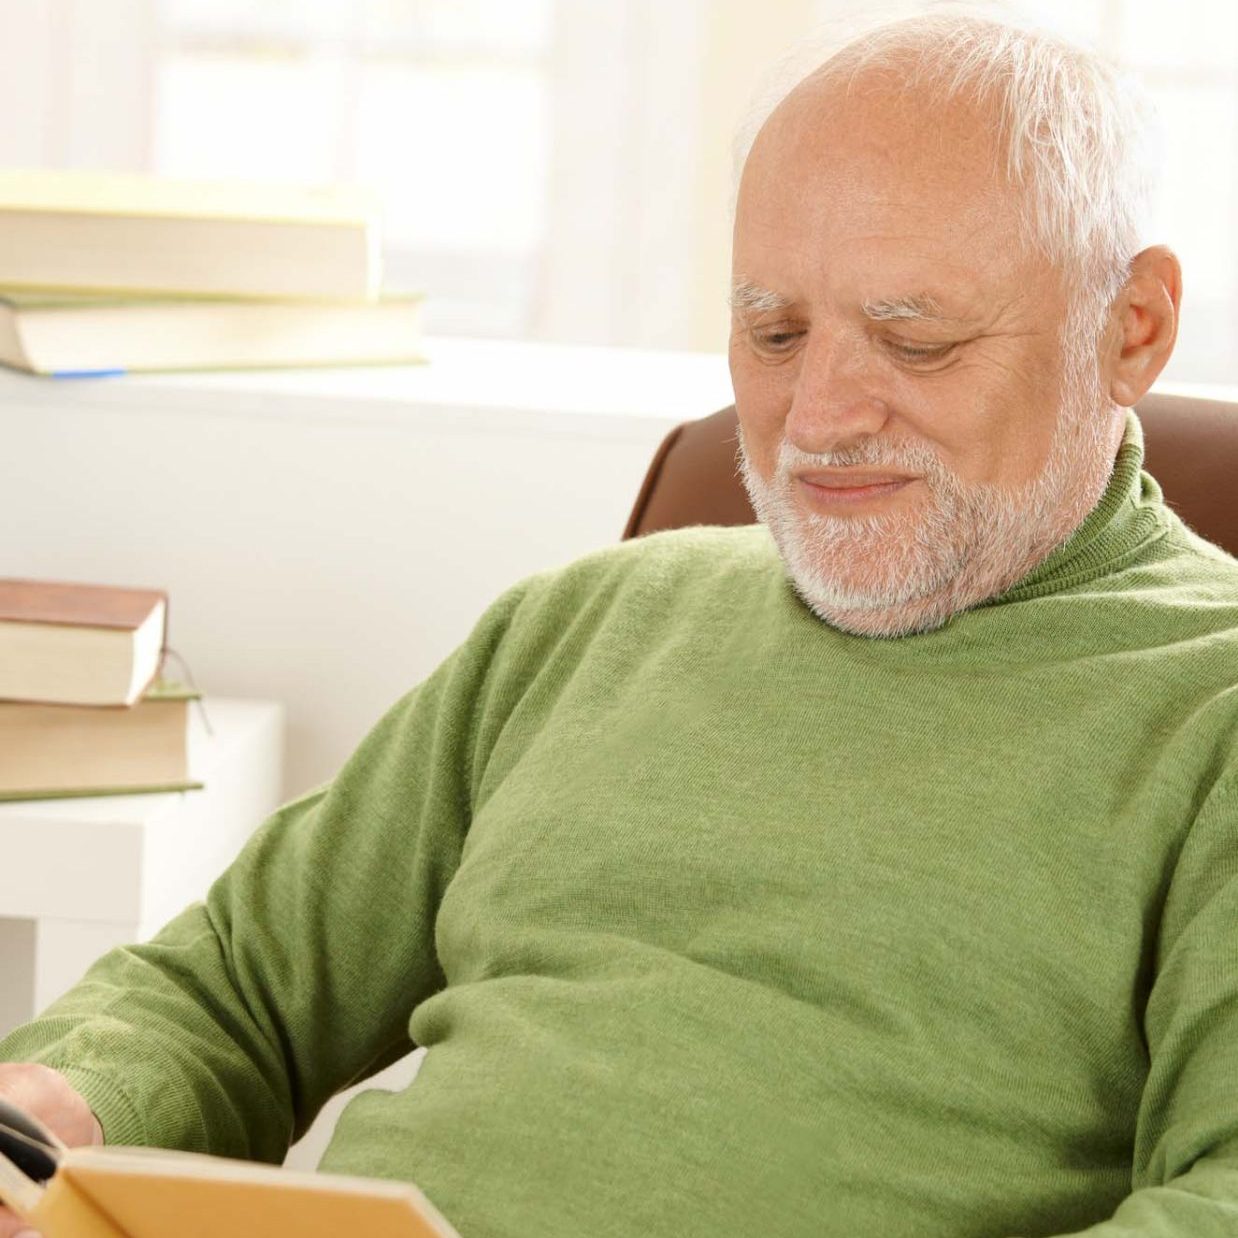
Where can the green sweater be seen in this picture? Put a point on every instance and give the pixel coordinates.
(715, 920)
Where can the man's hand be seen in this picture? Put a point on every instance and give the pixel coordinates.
(45, 1094)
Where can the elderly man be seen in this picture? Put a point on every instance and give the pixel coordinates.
(876, 878)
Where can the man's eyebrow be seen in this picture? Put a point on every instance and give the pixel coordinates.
(750, 298)
(919, 307)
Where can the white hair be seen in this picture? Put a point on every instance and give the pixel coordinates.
(1079, 136)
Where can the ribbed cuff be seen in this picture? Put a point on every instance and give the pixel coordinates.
(118, 1115)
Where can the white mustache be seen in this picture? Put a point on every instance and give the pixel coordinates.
(907, 458)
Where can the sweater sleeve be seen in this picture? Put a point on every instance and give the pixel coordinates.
(1186, 1141)
(297, 976)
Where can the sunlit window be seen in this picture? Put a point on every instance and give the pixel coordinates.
(441, 105)
(553, 168)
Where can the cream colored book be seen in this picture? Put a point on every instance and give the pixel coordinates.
(73, 335)
(146, 1193)
(79, 644)
(67, 751)
(89, 231)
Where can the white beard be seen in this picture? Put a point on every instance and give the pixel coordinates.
(891, 575)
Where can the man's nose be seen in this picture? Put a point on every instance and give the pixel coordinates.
(835, 405)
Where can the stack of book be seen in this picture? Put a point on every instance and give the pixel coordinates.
(110, 273)
(82, 710)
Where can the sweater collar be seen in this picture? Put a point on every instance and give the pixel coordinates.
(1130, 514)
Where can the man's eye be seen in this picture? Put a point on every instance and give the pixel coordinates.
(918, 352)
(777, 339)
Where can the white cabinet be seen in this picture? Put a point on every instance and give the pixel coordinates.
(79, 876)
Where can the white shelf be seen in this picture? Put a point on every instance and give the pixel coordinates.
(574, 388)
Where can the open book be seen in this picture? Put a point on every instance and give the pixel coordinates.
(148, 1193)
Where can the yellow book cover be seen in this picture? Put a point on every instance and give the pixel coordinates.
(132, 194)
(148, 1193)
(101, 232)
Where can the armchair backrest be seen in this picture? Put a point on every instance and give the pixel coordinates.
(1192, 451)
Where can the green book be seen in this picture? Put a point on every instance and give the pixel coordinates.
(72, 751)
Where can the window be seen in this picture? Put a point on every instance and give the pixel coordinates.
(1187, 58)
(440, 105)
(555, 168)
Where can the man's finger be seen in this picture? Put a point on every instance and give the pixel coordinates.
(15, 1227)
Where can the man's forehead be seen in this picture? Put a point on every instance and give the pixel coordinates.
(843, 185)
(886, 119)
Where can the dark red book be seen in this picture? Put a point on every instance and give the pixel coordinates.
(74, 644)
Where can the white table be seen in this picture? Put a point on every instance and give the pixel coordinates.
(79, 876)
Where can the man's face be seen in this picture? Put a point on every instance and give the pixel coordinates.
(912, 432)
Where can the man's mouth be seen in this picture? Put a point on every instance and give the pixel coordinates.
(850, 487)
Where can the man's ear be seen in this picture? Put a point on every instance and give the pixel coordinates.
(1144, 325)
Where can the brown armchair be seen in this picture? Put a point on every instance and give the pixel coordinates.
(1192, 450)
